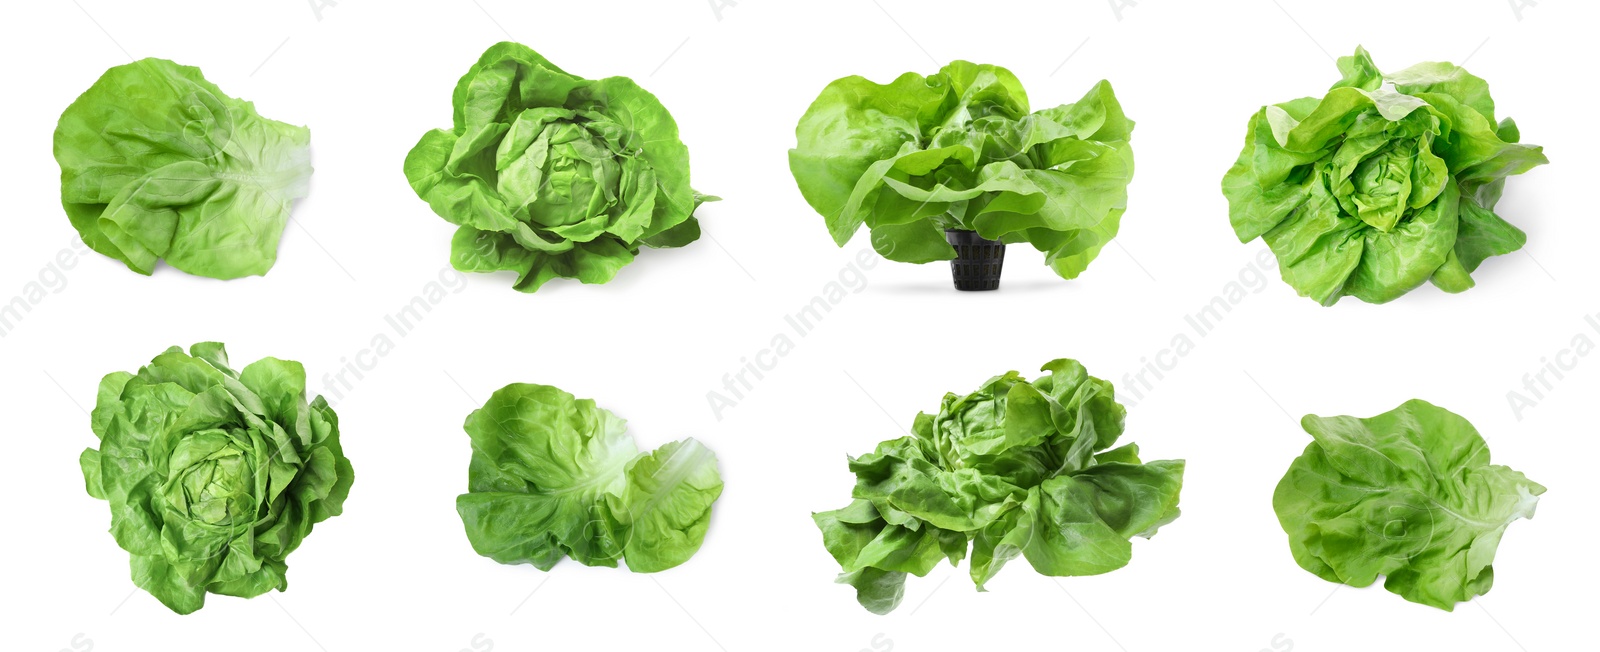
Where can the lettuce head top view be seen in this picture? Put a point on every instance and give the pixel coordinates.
(555, 476)
(960, 150)
(551, 175)
(1409, 495)
(157, 163)
(1384, 183)
(1018, 468)
(214, 475)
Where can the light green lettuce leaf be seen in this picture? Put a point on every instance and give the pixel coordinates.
(1409, 495)
(157, 163)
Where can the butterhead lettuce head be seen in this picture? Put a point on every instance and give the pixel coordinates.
(1018, 468)
(1386, 182)
(551, 175)
(214, 475)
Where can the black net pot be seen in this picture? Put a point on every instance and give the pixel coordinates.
(978, 260)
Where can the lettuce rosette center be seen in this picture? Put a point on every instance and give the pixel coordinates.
(1384, 172)
(211, 478)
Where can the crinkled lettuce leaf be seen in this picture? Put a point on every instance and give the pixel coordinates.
(554, 476)
(157, 163)
(1015, 469)
(1409, 495)
(1385, 183)
(960, 149)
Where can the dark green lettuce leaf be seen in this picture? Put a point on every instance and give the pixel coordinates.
(551, 175)
(1409, 495)
(214, 476)
(959, 149)
(1016, 468)
(1386, 182)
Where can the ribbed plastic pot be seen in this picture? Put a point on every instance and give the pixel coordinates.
(978, 260)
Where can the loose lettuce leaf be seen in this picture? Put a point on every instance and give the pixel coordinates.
(665, 506)
(213, 475)
(555, 476)
(1409, 495)
(1017, 468)
(1386, 182)
(157, 163)
(551, 175)
(960, 150)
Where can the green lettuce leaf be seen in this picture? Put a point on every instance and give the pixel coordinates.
(550, 175)
(1385, 183)
(1409, 495)
(157, 163)
(213, 475)
(960, 150)
(555, 476)
(1016, 468)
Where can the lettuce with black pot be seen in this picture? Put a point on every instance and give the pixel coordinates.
(960, 149)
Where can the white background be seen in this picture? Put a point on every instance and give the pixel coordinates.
(396, 572)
